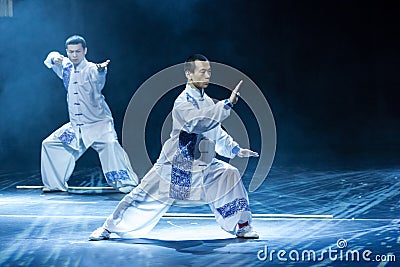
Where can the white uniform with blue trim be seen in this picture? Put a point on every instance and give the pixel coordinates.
(188, 170)
(91, 125)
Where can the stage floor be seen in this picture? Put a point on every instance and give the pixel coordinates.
(52, 229)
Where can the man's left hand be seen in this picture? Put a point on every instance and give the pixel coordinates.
(246, 153)
(102, 66)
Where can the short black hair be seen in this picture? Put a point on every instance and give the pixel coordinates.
(75, 39)
(189, 63)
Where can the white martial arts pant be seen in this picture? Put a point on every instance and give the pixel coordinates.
(139, 211)
(58, 160)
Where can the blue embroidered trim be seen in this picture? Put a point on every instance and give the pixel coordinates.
(190, 99)
(181, 172)
(228, 104)
(231, 208)
(114, 176)
(67, 75)
(236, 150)
(66, 137)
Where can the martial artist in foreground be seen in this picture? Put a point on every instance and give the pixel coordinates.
(91, 123)
(187, 168)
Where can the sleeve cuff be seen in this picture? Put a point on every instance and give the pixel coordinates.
(227, 104)
(236, 150)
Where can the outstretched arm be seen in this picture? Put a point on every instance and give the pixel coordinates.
(98, 74)
(188, 117)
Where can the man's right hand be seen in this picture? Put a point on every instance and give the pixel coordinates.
(58, 60)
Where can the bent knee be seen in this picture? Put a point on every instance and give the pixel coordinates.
(112, 145)
(232, 171)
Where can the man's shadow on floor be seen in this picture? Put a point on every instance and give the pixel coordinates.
(195, 247)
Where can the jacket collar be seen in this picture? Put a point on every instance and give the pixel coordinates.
(81, 65)
(194, 92)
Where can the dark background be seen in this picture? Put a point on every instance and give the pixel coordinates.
(327, 68)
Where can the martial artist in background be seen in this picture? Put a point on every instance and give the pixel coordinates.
(91, 123)
(187, 168)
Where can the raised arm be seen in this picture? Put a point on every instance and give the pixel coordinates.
(193, 120)
(189, 118)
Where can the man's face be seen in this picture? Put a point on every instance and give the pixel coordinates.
(201, 75)
(76, 53)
